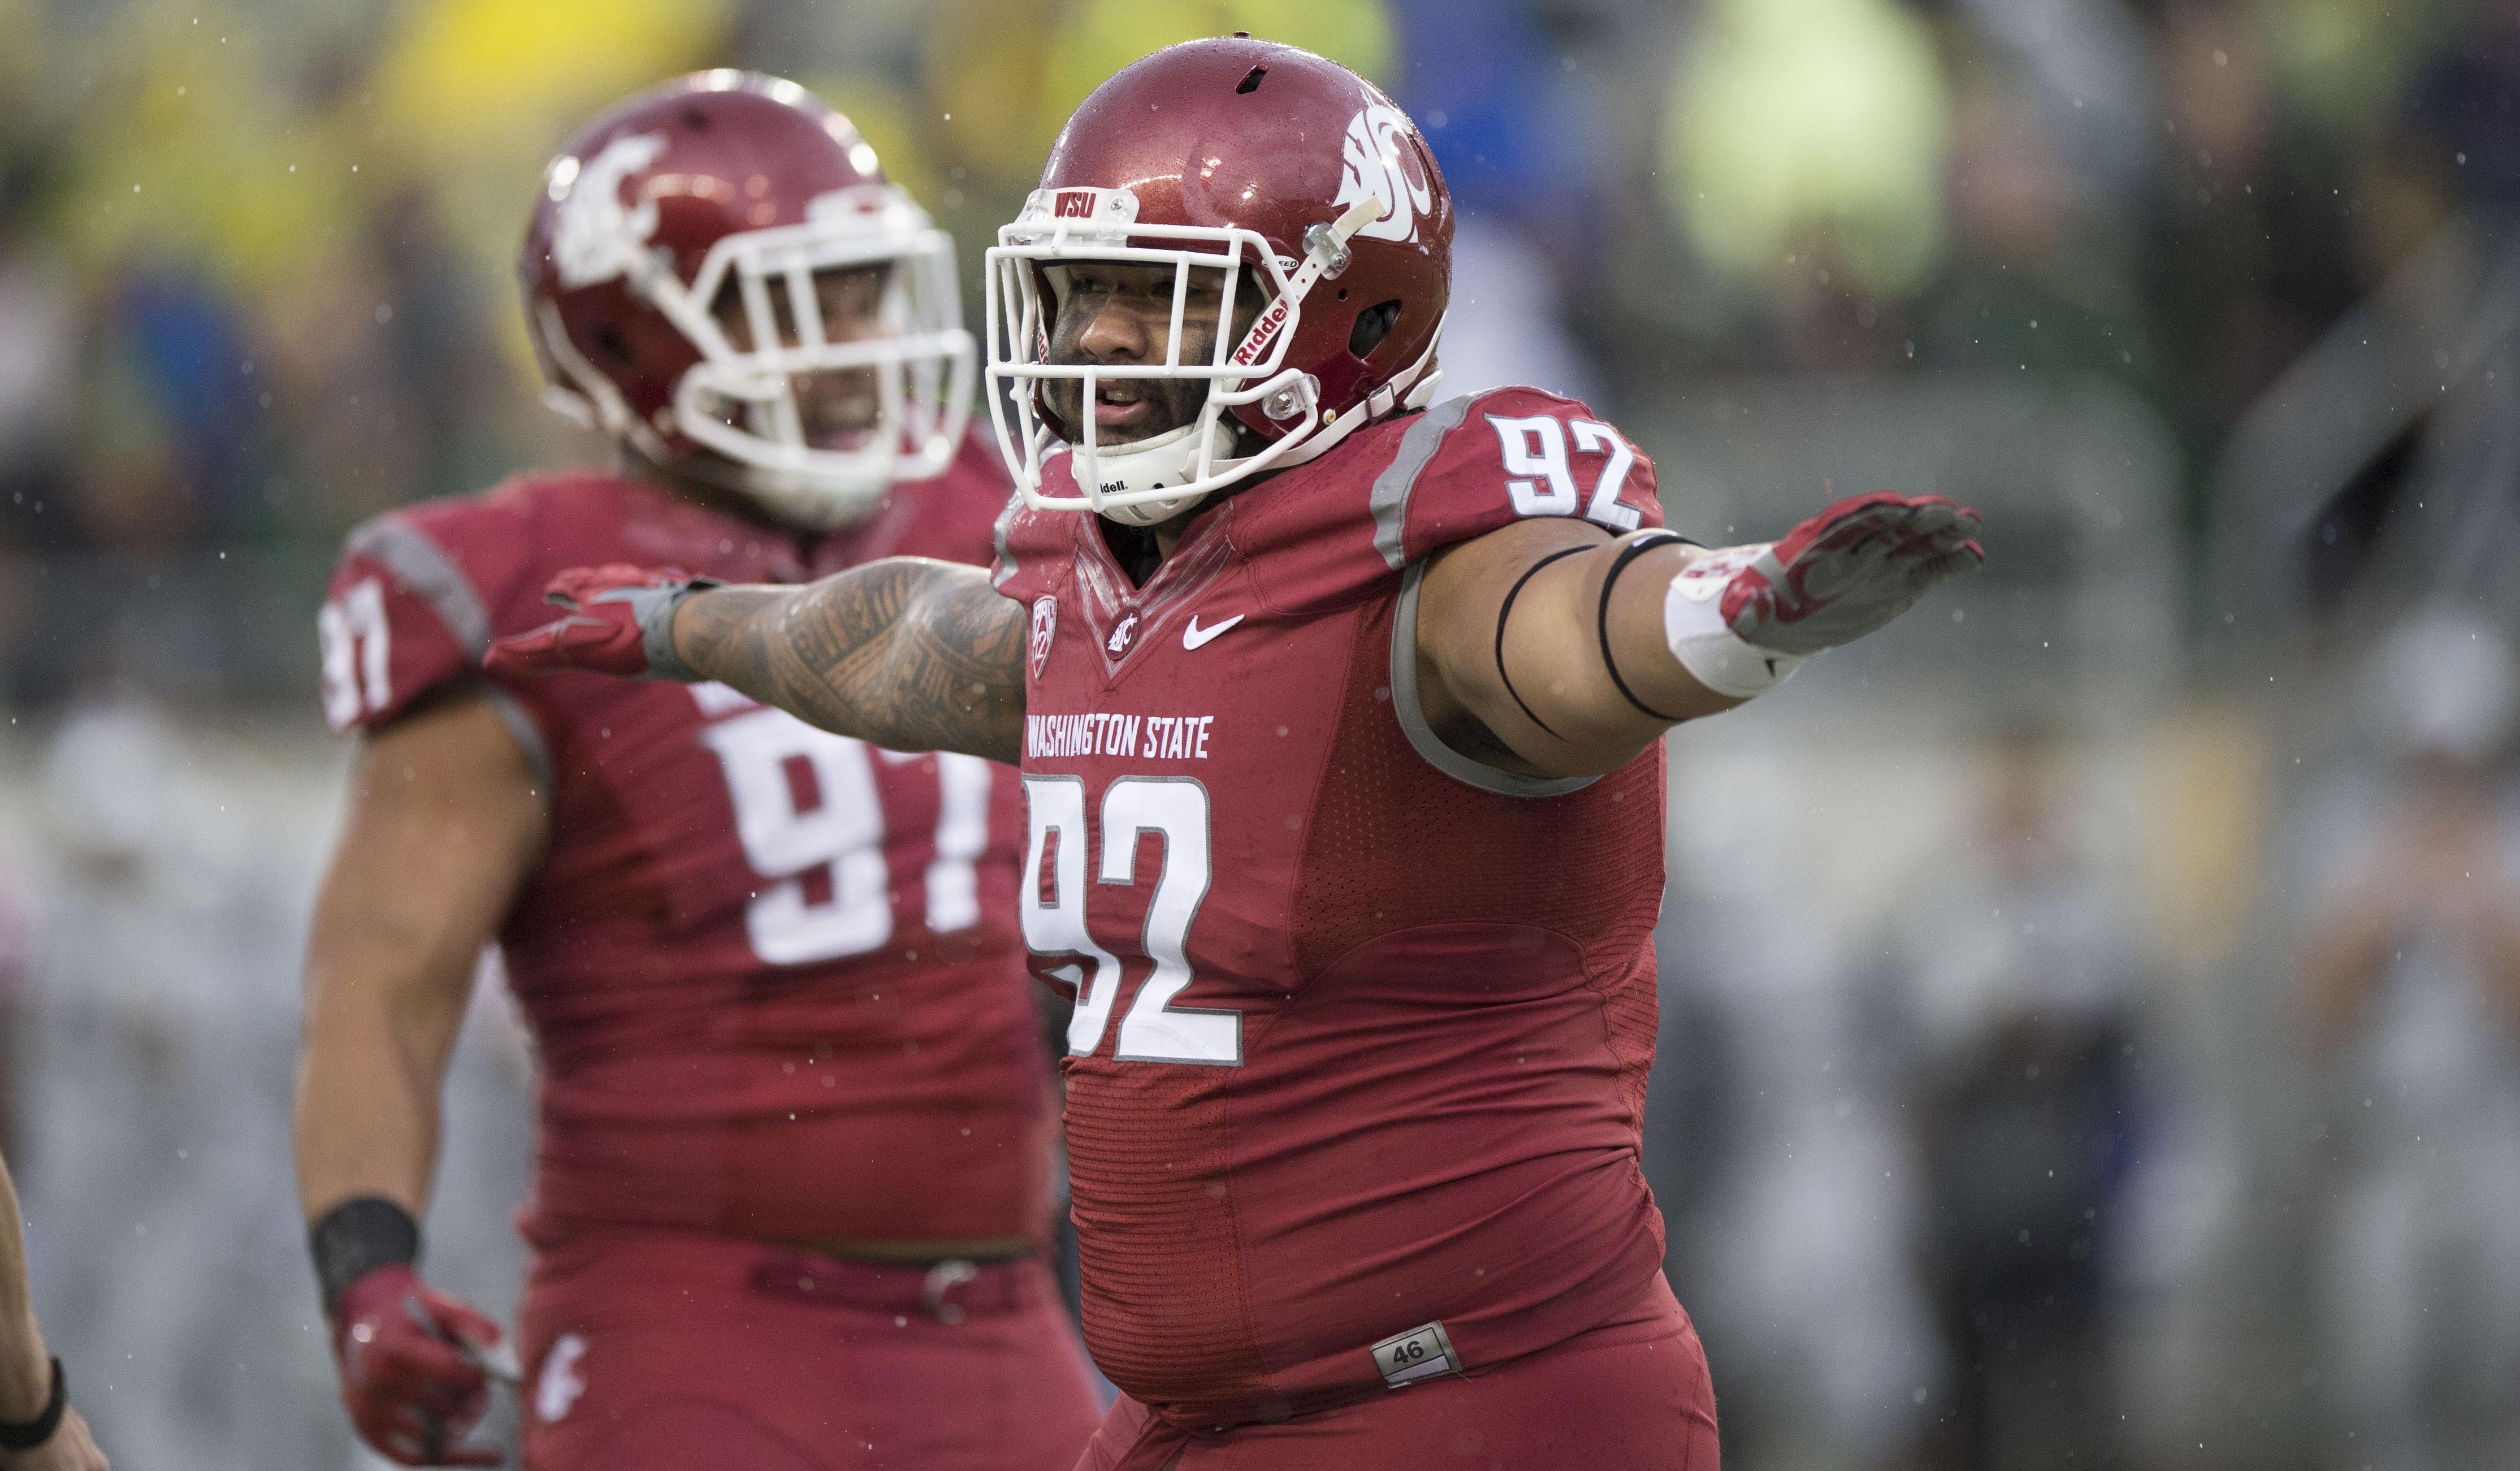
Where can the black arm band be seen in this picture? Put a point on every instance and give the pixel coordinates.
(30, 1435)
(1601, 620)
(355, 1238)
(1506, 611)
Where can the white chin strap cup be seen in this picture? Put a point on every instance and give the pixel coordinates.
(1167, 459)
(1692, 623)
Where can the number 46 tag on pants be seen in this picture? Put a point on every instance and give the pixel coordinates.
(1421, 1353)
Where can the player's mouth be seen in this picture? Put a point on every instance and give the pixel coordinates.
(1124, 406)
(842, 439)
(842, 410)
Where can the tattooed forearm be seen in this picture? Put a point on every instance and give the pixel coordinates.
(911, 654)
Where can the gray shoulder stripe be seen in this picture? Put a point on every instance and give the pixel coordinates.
(520, 723)
(423, 566)
(1003, 569)
(1422, 736)
(1390, 501)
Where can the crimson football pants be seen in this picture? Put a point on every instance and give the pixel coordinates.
(1631, 1396)
(656, 1351)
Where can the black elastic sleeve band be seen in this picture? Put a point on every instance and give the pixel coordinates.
(355, 1238)
(1505, 611)
(1602, 619)
(30, 1435)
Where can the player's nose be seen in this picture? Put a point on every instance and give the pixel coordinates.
(1113, 334)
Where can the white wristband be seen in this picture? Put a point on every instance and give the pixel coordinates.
(1692, 623)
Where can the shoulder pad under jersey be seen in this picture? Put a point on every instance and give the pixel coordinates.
(413, 601)
(1408, 488)
(1470, 465)
(1029, 545)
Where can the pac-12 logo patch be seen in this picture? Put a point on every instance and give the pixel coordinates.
(1044, 624)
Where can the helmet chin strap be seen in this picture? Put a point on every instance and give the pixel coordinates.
(1170, 457)
(788, 502)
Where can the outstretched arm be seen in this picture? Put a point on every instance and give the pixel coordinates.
(907, 654)
(1553, 649)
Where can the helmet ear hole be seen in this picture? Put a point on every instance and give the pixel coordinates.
(1373, 324)
(609, 342)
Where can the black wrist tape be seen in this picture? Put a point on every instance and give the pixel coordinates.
(355, 1238)
(32, 1434)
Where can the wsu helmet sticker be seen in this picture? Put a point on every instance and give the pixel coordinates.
(594, 239)
(1376, 159)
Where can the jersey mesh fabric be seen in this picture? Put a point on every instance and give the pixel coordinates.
(877, 1082)
(1368, 869)
(1168, 1204)
(1427, 1108)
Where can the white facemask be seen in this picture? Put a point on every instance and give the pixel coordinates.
(1158, 478)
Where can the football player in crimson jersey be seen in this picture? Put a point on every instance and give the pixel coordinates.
(1339, 710)
(792, 1177)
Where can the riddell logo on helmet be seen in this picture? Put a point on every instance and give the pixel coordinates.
(1377, 158)
(1255, 345)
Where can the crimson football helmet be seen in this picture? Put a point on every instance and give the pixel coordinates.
(1273, 166)
(725, 190)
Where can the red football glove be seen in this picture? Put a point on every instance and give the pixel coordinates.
(409, 1375)
(1848, 570)
(617, 616)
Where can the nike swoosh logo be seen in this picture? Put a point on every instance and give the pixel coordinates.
(1193, 636)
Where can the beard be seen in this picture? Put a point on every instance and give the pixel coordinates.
(838, 409)
(1172, 403)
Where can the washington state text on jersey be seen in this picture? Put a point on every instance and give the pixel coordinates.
(1096, 733)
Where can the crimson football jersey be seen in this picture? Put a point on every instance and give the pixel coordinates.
(773, 973)
(1358, 1063)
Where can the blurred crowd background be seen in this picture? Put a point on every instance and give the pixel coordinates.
(2091, 1011)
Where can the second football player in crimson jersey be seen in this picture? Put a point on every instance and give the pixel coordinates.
(793, 1170)
(1340, 707)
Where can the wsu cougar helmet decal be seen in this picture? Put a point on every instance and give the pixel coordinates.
(593, 237)
(1377, 163)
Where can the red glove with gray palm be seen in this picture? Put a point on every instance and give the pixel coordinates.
(416, 1367)
(1743, 619)
(620, 621)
